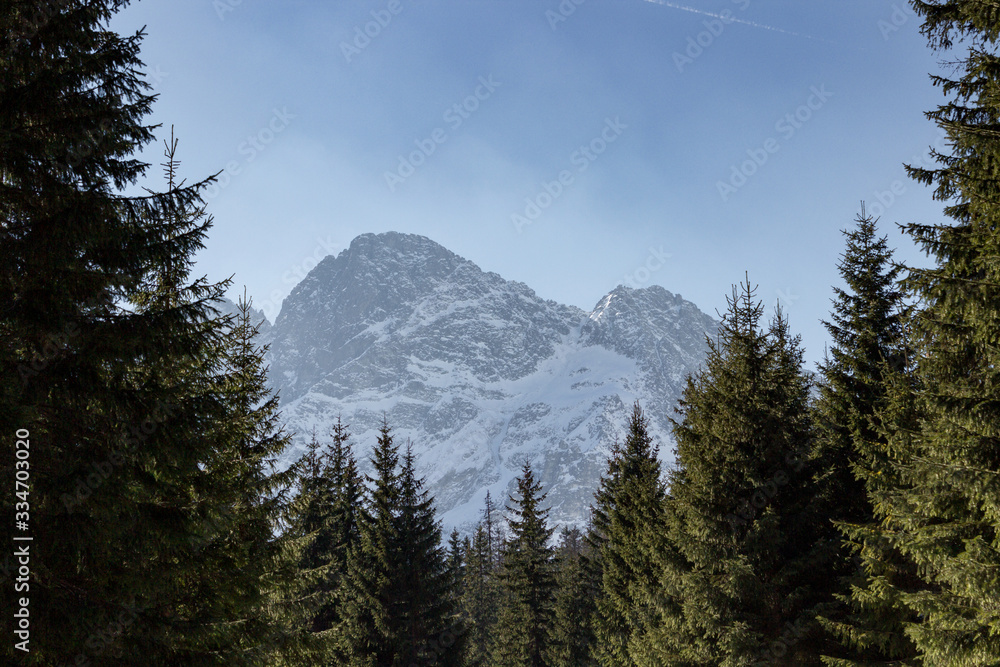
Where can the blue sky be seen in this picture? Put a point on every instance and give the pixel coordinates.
(573, 147)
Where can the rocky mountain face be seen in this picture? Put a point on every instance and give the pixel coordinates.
(477, 372)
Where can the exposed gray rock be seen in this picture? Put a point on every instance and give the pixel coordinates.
(477, 371)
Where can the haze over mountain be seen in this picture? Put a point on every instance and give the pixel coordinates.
(478, 372)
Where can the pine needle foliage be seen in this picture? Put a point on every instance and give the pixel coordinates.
(754, 565)
(868, 358)
(946, 516)
(397, 597)
(628, 506)
(527, 578)
(150, 428)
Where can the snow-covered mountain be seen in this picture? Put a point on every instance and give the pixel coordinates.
(477, 371)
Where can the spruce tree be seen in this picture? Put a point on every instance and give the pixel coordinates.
(134, 395)
(867, 358)
(396, 597)
(457, 552)
(456, 558)
(323, 519)
(754, 561)
(867, 339)
(249, 566)
(347, 491)
(73, 253)
(305, 523)
(369, 595)
(628, 504)
(493, 526)
(322, 529)
(527, 579)
(480, 597)
(572, 638)
(945, 515)
(428, 620)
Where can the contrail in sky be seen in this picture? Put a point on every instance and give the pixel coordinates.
(733, 19)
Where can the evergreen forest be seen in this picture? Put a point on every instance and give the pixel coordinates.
(849, 517)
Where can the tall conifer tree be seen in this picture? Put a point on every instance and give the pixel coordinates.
(429, 622)
(867, 340)
(457, 554)
(493, 525)
(741, 510)
(368, 636)
(249, 566)
(396, 598)
(480, 598)
(348, 487)
(946, 516)
(320, 520)
(629, 503)
(572, 640)
(528, 580)
(346, 498)
(133, 393)
(306, 524)
(867, 358)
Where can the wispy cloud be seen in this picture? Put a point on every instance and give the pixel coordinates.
(732, 19)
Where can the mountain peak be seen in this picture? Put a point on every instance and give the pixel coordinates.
(478, 371)
(377, 272)
(406, 248)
